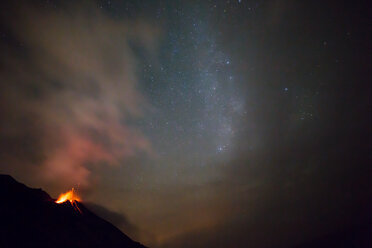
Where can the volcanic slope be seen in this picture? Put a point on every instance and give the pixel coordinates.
(31, 218)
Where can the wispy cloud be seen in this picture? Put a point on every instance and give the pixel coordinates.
(73, 89)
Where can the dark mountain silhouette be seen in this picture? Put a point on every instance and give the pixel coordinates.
(30, 218)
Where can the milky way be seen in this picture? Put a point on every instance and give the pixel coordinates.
(199, 100)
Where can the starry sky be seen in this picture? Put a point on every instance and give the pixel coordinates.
(231, 123)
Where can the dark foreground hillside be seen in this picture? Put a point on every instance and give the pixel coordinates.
(31, 218)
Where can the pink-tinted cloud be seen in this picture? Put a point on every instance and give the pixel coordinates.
(77, 82)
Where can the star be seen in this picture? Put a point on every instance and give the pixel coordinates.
(220, 149)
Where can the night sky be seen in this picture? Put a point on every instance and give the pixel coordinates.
(230, 123)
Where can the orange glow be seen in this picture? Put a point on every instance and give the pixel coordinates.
(69, 196)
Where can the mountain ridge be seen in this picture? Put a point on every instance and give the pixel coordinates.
(31, 218)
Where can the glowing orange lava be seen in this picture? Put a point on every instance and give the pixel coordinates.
(70, 196)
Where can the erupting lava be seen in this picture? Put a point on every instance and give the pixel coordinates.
(70, 196)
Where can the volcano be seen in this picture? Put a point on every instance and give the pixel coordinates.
(31, 218)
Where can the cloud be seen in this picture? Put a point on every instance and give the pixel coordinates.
(117, 219)
(69, 91)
